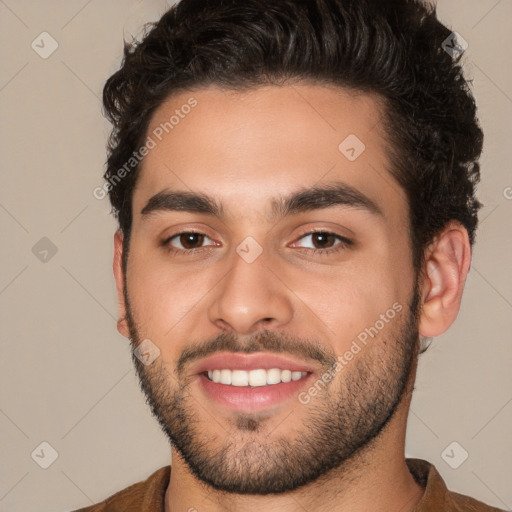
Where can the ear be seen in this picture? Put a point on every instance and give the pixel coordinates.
(122, 325)
(446, 266)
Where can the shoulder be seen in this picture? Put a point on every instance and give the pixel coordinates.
(459, 502)
(147, 495)
(437, 497)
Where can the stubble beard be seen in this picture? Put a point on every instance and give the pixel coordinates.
(246, 457)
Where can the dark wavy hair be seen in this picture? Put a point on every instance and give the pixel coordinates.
(391, 48)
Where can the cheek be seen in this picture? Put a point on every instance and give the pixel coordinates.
(164, 296)
(363, 296)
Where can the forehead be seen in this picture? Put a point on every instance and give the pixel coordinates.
(266, 142)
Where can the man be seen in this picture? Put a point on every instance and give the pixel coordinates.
(294, 183)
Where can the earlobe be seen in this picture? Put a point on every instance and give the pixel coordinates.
(446, 266)
(122, 325)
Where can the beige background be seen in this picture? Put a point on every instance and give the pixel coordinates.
(66, 375)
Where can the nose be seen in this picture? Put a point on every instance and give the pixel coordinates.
(251, 297)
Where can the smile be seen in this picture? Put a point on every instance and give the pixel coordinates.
(254, 378)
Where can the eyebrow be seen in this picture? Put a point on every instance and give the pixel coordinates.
(315, 198)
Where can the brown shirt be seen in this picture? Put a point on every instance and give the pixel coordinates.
(148, 496)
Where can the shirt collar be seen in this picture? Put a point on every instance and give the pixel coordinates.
(435, 496)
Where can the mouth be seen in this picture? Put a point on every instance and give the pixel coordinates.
(251, 382)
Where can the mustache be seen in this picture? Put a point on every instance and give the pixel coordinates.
(262, 341)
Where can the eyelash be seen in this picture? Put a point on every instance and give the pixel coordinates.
(344, 243)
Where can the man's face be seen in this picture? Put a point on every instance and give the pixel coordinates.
(338, 308)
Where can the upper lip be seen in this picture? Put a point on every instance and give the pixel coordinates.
(253, 361)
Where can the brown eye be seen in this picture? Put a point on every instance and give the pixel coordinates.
(323, 242)
(186, 241)
(191, 240)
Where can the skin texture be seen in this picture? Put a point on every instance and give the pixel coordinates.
(245, 149)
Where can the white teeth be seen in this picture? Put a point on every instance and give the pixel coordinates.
(254, 378)
(286, 376)
(274, 376)
(239, 378)
(225, 377)
(258, 378)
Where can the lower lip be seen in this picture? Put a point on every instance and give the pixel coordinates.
(251, 398)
